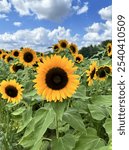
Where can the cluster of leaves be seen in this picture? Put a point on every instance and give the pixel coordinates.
(82, 122)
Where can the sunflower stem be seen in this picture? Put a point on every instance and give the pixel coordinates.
(57, 127)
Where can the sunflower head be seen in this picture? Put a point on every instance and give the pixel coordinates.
(109, 49)
(91, 73)
(28, 57)
(15, 53)
(55, 80)
(8, 58)
(101, 74)
(15, 67)
(63, 44)
(56, 48)
(11, 90)
(3, 55)
(73, 48)
(78, 58)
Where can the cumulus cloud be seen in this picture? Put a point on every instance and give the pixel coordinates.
(18, 24)
(3, 16)
(38, 38)
(106, 13)
(5, 6)
(43, 9)
(83, 9)
(99, 31)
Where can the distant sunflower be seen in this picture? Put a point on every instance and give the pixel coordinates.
(56, 48)
(101, 73)
(91, 73)
(8, 58)
(15, 67)
(109, 49)
(55, 79)
(11, 90)
(108, 69)
(15, 53)
(28, 57)
(3, 55)
(78, 58)
(73, 48)
(63, 44)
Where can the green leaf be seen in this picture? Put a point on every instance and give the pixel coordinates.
(64, 143)
(42, 120)
(59, 108)
(102, 100)
(108, 127)
(89, 141)
(81, 93)
(19, 111)
(97, 112)
(26, 118)
(74, 119)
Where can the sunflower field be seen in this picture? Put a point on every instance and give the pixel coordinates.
(56, 100)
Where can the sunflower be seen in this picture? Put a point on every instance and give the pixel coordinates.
(63, 44)
(101, 73)
(109, 49)
(15, 53)
(73, 48)
(15, 67)
(78, 58)
(55, 80)
(8, 58)
(3, 55)
(28, 57)
(91, 73)
(11, 90)
(56, 47)
(108, 69)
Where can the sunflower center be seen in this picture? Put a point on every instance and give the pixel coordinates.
(73, 49)
(109, 49)
(16, 53)
(17, 67)
(28, 57)
(78, 59)
(107, 70)
(56, 47)
(9, 59)
(0, 52)
(3, 56)
(11, 91)
(64, 45)
(101, 73)
(56, 78)
(92, 73)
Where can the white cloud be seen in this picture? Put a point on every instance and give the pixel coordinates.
(18, 24)
(106, 13)
(83, 9)
(5, 6)
(38, 38)
(99, 31)
(3, 16)
(43, 9)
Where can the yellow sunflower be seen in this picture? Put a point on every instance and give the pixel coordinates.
(3, 55)
(101, 73)
(73, 48)
(91, 73)
(11, 90)
(56, 48)
(8, 58)
(15, 67)
(78, 58)
(28, 57)
(55, 79)
(109, 49)
(63, 44)
(15, 53)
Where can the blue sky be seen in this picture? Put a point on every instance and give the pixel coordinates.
(41, 23)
